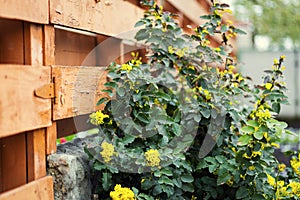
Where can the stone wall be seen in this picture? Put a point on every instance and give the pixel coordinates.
(71, 170)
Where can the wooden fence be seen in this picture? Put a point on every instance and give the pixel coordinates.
(45, 92)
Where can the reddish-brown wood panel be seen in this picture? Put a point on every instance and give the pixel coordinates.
(28, 10)
(41, 189)
(20, 109)
(11, 42)
(12, 162)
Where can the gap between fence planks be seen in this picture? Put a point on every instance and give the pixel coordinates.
(37, 190)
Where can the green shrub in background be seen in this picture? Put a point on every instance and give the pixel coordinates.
(178, 127)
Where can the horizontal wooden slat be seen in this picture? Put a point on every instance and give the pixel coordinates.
(77, 90)
(27, 10)
(36, 190)
(20, 109)
(107, 17)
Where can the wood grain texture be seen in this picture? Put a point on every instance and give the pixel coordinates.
(13, 162)
(109, 17)
(11, 42)
(20, 109)
(49, 45)
(37, 190)
(77, 90)
(51, 136)
(36, 155)
(27, 10)
(33, 44)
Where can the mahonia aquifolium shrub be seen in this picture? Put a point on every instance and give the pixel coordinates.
(186, 124)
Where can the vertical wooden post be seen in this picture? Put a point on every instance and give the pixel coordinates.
(33, 37)
(49, 59)
(36, 161)
(36, 145)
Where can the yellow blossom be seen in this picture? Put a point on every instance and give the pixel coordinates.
(271, 180)
(152, 157)
(97, 118)
(205, 31)
(126, 67)
(295, 163)
(122, 193)
(218, 49)
(281, 167)
(107, 152)
(251, 168)
(268, 86)
(275, 145)
(276, 62)
(282, 57)
(170, 49)
(295, 186)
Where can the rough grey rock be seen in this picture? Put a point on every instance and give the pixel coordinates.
(71, 171)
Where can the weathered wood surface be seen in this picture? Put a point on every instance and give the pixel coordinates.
(27, 10)
(13, 170)
(109, 17)
(20, 109)
(33, 43)
(37, 190)
(77, 90)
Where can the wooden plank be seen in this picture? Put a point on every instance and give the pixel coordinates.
(51, 135)
(33, 41)
(36, 155)
(37, 190)
(11, 42)
(77, 90)
(29, 10)
(106, 17)
(49, 45)
(49, 59)
(13, 162)
(72, 48)
(20, 109)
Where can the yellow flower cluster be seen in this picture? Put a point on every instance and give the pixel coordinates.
(281, 167)
(271, 180)
(282, 190)
(205, 93)
(178, 52)
(295, 163)
(126, 67)
(97, 118)
(122, 193)
(107, 152)
(268, 86)
(253, 155)
(152, 157)
(261, 113)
